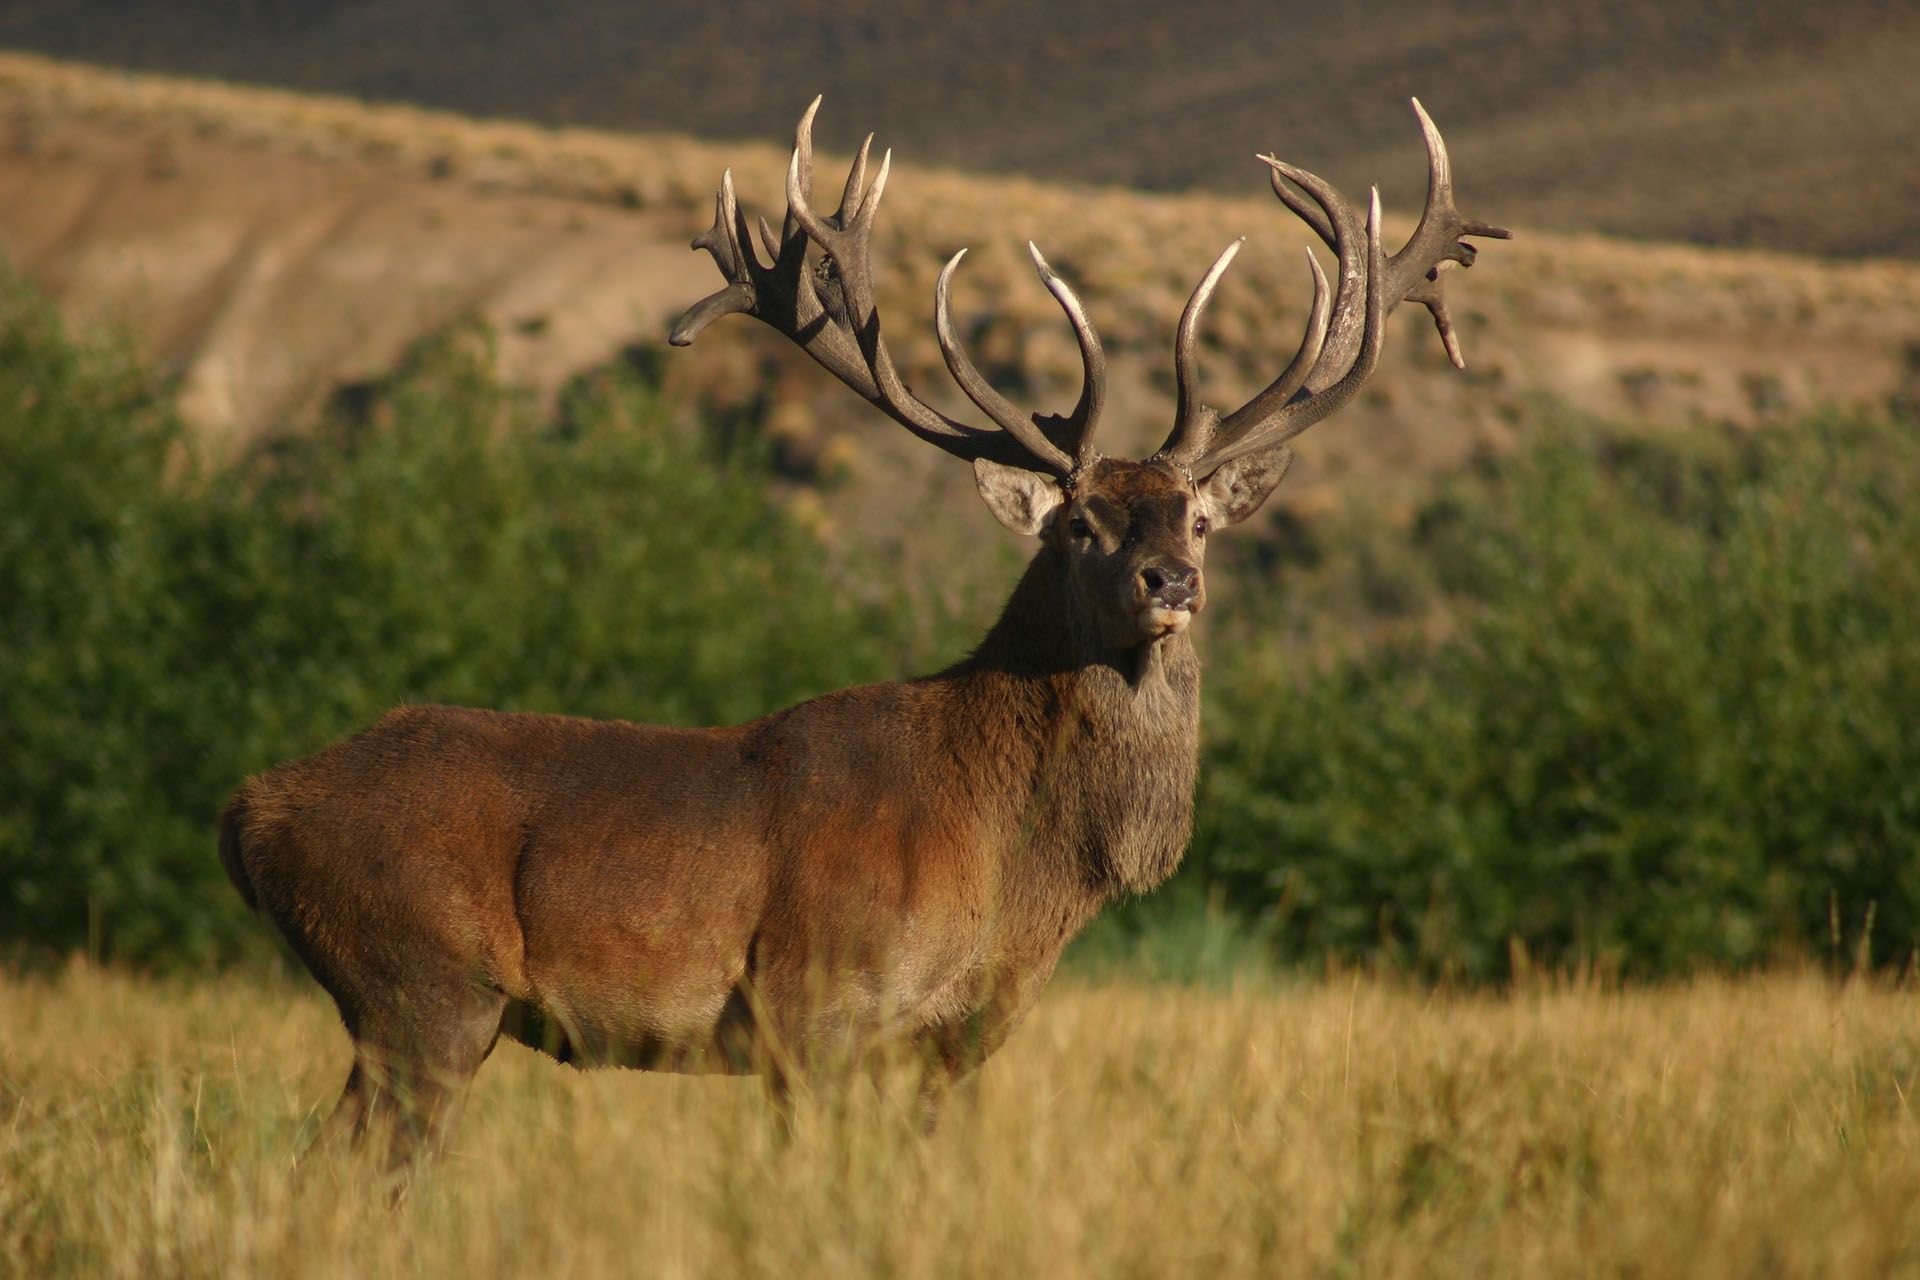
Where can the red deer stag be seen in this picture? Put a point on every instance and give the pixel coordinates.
(899, 864)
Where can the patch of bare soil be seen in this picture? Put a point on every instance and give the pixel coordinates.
(264, 279)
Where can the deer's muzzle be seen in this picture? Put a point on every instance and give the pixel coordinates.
(1172, 586)
(1173, 596)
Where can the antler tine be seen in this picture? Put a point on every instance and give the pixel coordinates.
(1279, 172)
(978, 389)
(852, 194)
(1334, 324)
(1346, 235)
(802, 159)
(1093, 360)
(1193, 422)
(717, 239)
(828, 309)
(1183, 447)
(720, 242)
(1436, 239)
(1290, 419)
(1295, 375)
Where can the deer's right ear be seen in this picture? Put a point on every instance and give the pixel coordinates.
(1020, 499)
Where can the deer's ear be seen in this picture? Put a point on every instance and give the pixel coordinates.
(1019, 499)
(1237, 489)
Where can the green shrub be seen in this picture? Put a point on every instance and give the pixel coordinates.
(1671, 719)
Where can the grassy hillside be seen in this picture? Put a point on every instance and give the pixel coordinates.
(1765, 1128)
(1772, 124)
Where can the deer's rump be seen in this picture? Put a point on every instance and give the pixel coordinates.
(638, 894)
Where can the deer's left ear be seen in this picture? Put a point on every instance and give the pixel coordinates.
(1237, 489)
(1020, 499)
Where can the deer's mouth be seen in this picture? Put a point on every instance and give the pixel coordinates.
(1159, 620)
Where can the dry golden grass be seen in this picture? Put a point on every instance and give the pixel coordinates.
(1717, 1128)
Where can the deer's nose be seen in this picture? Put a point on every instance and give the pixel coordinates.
(1172, 585)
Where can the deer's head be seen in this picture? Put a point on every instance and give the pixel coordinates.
(1133, 534)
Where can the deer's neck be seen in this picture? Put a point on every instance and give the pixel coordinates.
(1095, 749)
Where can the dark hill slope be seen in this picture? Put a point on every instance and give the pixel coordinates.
(1772, 123)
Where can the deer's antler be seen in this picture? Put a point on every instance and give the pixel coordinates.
(1343, 335)
(827, 307)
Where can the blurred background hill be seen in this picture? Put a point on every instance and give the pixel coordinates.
(274, 251)
(1761, 123)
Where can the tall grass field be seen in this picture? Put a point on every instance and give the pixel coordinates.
(1339, 1127)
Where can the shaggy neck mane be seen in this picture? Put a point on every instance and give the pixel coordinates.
(1105, 741)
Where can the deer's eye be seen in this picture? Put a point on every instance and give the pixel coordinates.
(1200, 527)
(1079, 528)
